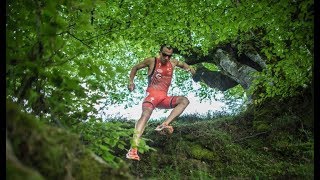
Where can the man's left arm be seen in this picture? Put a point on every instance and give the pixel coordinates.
(186, 67)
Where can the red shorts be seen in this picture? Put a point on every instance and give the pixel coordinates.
(159, 99)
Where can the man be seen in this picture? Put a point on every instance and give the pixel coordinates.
(160, 70)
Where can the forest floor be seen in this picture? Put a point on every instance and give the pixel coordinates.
(272, 140)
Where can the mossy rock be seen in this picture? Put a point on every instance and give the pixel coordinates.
(198, 152)
(15, 171)
(52, 152)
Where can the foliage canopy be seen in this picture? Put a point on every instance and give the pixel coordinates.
(65, 57)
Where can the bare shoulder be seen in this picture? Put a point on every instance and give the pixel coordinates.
(174, 62)
(145, 62)
(149, 60)
(178, 63)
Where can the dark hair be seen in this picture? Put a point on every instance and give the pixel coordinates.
(165, 45)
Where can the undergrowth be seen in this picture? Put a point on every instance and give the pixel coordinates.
(272, 140)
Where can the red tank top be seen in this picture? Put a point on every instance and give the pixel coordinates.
(160, 77)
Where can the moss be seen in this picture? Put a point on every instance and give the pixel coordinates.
(198, 152)
(305, 171)
(17, 172)
(53, 152)
(85, 168)
(200, 174)
(261, 126)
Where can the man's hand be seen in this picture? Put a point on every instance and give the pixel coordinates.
(131, 86)
(191, 70)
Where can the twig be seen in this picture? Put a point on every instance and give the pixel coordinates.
(252, 136)
(79, 40)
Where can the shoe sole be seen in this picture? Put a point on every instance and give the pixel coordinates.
(164, 131)
(163, 128)
(133, 158)
(160, 129)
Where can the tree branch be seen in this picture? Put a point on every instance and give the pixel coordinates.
(252, 136)
(79, 40)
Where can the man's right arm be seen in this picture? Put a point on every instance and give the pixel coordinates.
(134, 70)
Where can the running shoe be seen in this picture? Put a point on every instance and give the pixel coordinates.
(164, 129)
(133, 154)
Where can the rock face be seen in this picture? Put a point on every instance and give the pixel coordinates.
(233, 69)
(214, 79)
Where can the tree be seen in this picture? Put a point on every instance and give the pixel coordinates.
(65, 57)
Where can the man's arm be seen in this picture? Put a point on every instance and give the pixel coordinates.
(186, 67)
(134, 70)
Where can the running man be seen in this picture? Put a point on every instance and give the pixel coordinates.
(160, 70)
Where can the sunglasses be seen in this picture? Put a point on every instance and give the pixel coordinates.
(166, 55)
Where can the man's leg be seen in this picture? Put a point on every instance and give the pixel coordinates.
(181, 104)
(148, 105)
(139, 128)
(141, 124)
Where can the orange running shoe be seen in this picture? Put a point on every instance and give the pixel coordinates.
(164, 129)
(133, 154)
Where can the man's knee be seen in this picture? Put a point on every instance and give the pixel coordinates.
(185, 101)
(147, 109)
(147, 105)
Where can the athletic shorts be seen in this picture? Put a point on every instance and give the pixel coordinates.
(159, 99)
